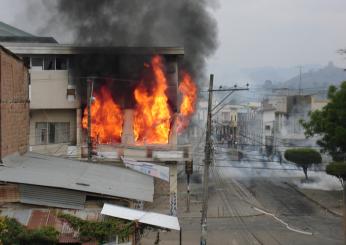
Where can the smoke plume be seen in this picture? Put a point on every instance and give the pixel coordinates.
(186, 23)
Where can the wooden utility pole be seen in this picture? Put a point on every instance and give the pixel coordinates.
(90, 84)
(188, 171)
(207, 163)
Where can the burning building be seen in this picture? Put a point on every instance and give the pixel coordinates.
(136, 96)
(140, 100)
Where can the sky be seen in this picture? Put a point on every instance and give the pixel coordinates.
(252, 33)
(280, 33)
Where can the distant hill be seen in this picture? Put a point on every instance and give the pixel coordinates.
(318, 79)
(275, 74)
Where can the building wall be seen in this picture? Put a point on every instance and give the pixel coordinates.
(317, 104)
(279, 102)
(52, 116)
(250, 126)
(49, 90)
(14, 96)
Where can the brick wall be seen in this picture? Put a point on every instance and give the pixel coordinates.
(14, 104)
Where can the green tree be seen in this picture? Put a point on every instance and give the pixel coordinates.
(330, 124)
(303, 157)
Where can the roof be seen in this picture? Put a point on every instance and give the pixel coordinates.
(149, 218)
(69, 49)
(7, 30)
(12, 34)
(28, 39)
(36, 169)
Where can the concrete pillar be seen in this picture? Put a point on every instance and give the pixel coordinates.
(78, 126)
(173, 188)
(127, 137)
(173, 135)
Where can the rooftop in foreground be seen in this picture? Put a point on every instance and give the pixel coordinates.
(41, 170)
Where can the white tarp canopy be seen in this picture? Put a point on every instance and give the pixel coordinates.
(149, 218)
(147, 168)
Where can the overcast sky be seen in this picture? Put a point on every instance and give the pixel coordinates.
(253, 33)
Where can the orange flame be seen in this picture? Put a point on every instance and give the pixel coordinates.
(187, 107)
(106, 118)
(152, 117)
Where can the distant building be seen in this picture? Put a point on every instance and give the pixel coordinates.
(274, 124)
(226, 123)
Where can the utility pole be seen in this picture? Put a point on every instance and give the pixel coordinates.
(300, 79)
(207, 163)
(188, 171)
(208, 150)
(90, 85)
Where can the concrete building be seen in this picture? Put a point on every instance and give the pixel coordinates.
(250, 126)
(226, 124)
(14, 104)
(274, 124)
(57, 89)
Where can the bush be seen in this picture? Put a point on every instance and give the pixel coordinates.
(101, 231)
(14, 233)
(303, 156)
(337, 169)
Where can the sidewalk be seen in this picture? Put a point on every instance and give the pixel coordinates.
(328, 200)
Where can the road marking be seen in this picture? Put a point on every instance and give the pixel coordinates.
(284, 223)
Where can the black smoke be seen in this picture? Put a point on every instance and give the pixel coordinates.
(186, 23)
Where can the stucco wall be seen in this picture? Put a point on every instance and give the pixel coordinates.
(49, 90)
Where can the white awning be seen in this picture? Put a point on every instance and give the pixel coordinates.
(147, 168)
(149, 218)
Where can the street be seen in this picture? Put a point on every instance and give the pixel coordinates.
(254, 206)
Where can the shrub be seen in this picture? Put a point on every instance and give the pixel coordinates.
(337, 169)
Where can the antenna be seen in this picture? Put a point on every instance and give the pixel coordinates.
(300, 79)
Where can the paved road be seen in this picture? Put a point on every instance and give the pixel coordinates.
(247, 208)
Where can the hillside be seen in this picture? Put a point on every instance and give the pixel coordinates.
(318, 79)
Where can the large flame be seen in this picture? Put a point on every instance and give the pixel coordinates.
(187, 107)
(106, 118)
(152, 117)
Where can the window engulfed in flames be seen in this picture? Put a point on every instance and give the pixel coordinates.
(106, 118)
(152, 115)
(187, 107)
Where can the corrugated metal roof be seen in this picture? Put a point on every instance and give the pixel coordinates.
(150, 218)
(52, 197)
(35, 169)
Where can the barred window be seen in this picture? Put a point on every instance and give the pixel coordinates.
(52, 132)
